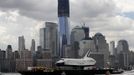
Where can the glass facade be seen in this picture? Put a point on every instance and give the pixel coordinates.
(64, 32)
(64, 35)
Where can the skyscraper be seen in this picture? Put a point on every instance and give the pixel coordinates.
(102, 46)
(86, 31)
(113, 54)
(64, 35)
(101, 43)
(9, 53)
(42, 37)
(123, 53)
(122, 46)
(77, 34)
(112, 48)
(21, 44)
(49, 36)
(48, 42)
(52, 37)
(33, 46)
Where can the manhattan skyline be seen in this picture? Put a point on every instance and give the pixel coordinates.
(112, 18)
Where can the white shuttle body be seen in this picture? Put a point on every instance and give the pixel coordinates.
(82, 62)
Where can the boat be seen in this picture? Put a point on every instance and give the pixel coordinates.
(69, 72)
(118, 71)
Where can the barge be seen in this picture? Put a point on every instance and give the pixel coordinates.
(71, 72)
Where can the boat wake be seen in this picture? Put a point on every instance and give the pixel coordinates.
(128, 72)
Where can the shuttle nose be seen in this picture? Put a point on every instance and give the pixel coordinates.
(60, 63)
(94, 60)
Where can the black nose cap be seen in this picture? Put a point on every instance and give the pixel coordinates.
(60, 64)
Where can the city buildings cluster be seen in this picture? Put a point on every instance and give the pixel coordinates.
(47, 53)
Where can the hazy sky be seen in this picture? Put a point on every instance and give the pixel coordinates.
(112, 18)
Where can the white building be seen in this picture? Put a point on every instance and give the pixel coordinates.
(77, 34)
(112, 48)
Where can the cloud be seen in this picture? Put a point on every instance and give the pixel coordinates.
(125, 5)
(2, 29)
(13, 25)
(37, 9)
(93, 8)
(114, 28)
(47, 9)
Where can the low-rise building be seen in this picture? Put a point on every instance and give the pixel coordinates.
(23, 64)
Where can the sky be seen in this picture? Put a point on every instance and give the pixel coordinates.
(113, 18)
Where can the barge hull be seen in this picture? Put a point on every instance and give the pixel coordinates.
(67, 72)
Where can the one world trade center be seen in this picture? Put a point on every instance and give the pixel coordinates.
(64, 33)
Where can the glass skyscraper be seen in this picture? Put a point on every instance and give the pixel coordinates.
(64, 33)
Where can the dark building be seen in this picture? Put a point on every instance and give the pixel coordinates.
(123, 60)
(112, 60)
(7, 65)
(39, 52)
(99, 57)
(123, 54)
(63, 8)
(9, 53)
(86, 31)
(131, 58)
(39, 48)
(16, 55)
(33, 46)
(2, 54)
(122, 46)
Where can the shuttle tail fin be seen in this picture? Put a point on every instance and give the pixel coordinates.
(87, 54)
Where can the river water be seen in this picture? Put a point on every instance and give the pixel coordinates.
(125, 73)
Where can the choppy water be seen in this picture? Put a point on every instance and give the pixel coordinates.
(125, 73)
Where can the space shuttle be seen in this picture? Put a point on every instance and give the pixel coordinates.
(81, 62)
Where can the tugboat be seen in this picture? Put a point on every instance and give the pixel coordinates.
(117, 71)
